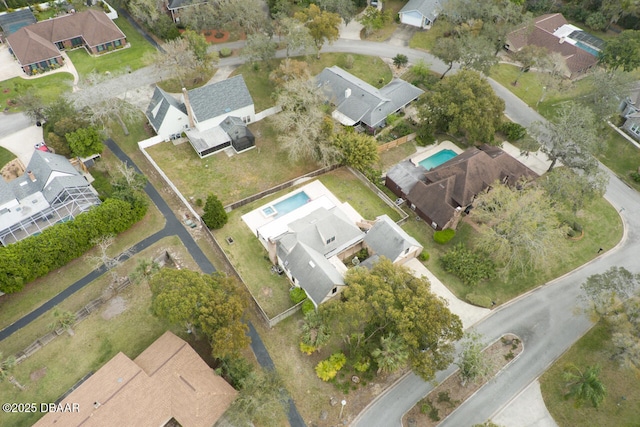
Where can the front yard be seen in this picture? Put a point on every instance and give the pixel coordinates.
(48, 88)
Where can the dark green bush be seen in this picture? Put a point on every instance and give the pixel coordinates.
(513, 131)
(297, 294)
(225, 52)
(469, 266)
(424, 256)
(307, 307)
(479, 300)
(635, 176)
(443, 236)
(214, 215)
(35, 256)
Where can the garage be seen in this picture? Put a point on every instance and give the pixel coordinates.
(413, 18)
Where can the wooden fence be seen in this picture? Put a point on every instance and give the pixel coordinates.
(396, 142)
(381, 194)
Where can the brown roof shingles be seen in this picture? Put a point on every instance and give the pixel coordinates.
(93, 26)
(168, 380)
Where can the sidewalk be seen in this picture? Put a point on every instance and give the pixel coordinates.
(526, 410)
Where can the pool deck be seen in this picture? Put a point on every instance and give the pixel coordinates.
(433, 149)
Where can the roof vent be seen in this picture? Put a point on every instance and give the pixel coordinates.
(347, 92)
(32, 177)
(96, 405)
(311, 264)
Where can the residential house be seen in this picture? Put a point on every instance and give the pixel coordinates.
(577, 48)
(387, 239)
(37, 47)
(213, 117)
(167, 384)
(420, 13)
(440, 195)
(358, 103)
(49, 192)
(630, 111)
(175, 7)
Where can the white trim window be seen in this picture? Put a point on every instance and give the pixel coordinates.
(635, 129)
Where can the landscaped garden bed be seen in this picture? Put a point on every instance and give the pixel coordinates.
(451, 393)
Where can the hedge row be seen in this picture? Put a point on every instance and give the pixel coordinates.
(28, 259)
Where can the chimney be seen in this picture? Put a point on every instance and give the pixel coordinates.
(347, 93)
(187, 104)
(96, 405)
(32, 177)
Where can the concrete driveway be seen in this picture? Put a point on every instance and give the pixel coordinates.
(21, 143)
(9, 67)
(402, 35)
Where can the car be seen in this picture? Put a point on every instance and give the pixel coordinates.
(41, 146)
(374, 3)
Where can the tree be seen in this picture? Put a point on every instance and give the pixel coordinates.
(387, 300)
(421, 70)
(178, 59)
(472, 361)
(198, 45)
(622, 52)
(584, 386)
(625, 326)
(345, 8)
(296, 36)
(103, 258)
(373, 19)
(571, 136)
(211, 304)
(63, 320)
(85, 141)
(300, 122)
(529, 56)
(391, 355)
(6, 366)
(476, 53)
(261, 401)
(518, 227)
(246, 13)
(259, 48)
(463, 104)
(597, 21)
(290, 69)
(147, 11)
(447, 49)
(201, 17)
(574, 189)
(214, 215)
(315, 332)
(32, 105)
(400, 60)
(606, 91)
(604, 292)
(145, 269)
(323, 26)
(358, 150)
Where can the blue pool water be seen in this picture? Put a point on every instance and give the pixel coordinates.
(287, 205)
(437, 159)
(587, 48)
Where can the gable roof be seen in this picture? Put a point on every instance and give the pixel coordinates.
(219, 98)
(387, 239)
(554, 33)
(358, 101)
(93, 26)
(168, 380)
(456, 182)
(428, 8)
(160, 104)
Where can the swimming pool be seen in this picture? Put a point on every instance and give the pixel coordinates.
(587, 48)
(437, 159)
(287, 205)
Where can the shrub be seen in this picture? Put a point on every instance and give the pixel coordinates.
(513, 131)
(307, 349)
(307, 307)
(469, 266)
(479, 300)
(214, 215)
(225, 52)
(635, 176)
(424, 256)
(297, 294)
(234, 370)
(199, 202)
(328, 369)
(362, 365)
(443, 236)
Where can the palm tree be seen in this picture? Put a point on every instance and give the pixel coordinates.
(392, 354)
(6, 365)
(584, 385)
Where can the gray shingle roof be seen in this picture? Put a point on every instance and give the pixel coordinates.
(429, 8)
(58, 184)
(405, 174)
(360, 101)
(164, 101)
(321, 225)
(387, 239)
(219, 98)
(6, 193)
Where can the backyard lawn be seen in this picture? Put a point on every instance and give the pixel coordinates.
(370, 69)
(48, 87)
(249, 256)
(130, 58)
(622, 403)
(125, 325)
(602, 229)
(229, 178)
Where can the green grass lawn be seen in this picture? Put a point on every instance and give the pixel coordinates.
(602, 229)
(34, 294)
(370, 69)
(250, 258)
(622, 404)
(426, 39)
(230, 178)
(117, 60)
(68, 358)
(392, 7)
(620, 156)
(5, 156)
(48, 87)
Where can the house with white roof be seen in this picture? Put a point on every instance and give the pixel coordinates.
(49, 192)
